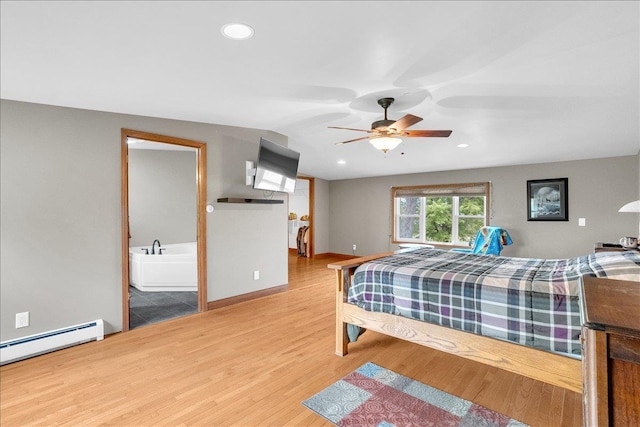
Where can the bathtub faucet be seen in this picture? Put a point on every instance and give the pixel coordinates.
(153, 247)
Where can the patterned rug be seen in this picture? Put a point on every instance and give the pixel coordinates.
(374, 396)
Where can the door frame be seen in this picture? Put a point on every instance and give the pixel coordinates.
(201, 225)
(311, 213)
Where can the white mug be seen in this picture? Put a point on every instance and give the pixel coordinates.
(629, 242)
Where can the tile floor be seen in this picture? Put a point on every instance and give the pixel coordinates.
(146, 308)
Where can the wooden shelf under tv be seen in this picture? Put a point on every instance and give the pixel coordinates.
(254, 201)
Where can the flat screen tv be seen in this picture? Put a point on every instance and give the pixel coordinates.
(277, 168)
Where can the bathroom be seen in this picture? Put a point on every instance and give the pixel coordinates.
(162, 230)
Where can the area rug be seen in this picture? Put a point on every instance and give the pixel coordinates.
(377, 397)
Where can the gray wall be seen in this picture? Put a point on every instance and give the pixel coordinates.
(60, 214)
(162, 196)
(321, 214)
(242, 238)
(361, 208)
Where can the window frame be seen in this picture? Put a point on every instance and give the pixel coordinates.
(435, 190)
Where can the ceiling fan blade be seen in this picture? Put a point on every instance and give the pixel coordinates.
(352, 140)
(405, 122)
(359, 130)
(427, 133)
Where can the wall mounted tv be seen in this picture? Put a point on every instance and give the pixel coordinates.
(277, 168)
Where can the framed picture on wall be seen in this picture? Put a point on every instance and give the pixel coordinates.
(548, 199)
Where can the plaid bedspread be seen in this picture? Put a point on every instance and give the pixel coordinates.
(534, 302)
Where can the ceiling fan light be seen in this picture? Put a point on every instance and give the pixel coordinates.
(384, 143)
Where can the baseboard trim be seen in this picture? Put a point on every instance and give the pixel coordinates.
(335, 255)
(212, 305)
(326, 255)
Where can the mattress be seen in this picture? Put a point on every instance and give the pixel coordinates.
(533, 302)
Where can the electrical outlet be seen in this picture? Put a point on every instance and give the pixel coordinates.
(355, 247)
(22, 319)
(256, 275)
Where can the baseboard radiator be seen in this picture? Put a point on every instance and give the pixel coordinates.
(34, 345)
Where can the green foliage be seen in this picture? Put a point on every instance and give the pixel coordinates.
(439, 213)
(439, 216)
(472, 205)
(468, 227)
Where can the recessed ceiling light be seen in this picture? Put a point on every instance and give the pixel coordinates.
(342, 162)
(463, 145)
(237, 31)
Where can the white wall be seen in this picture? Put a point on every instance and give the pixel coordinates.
(162, 196)
(61, 222)
(299, 200)
(597, 189)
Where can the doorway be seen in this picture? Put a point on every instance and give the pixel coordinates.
(301, 204)
(199, 246)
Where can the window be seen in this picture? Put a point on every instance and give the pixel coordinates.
(448, 213)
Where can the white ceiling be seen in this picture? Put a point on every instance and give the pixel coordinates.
(520, 82)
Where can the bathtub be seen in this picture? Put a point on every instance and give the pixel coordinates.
(175, 270)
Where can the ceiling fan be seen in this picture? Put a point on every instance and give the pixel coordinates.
(385, 134)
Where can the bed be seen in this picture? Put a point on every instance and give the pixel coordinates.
(518, 314)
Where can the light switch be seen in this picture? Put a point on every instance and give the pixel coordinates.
(582, 222)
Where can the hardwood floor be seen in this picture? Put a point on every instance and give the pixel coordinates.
(250, 364)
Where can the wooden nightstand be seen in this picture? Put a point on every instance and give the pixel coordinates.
(610, 352)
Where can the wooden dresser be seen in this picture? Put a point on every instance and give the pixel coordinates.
(611, 352)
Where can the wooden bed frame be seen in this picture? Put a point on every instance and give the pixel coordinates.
(563, 371)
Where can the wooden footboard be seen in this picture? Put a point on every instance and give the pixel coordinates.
(540, 365)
